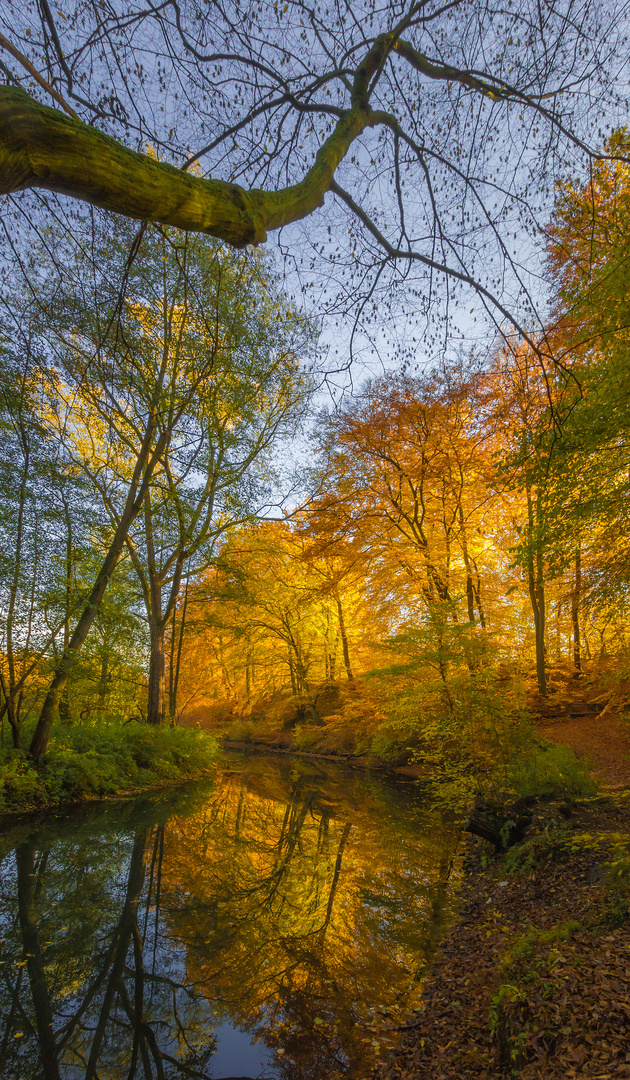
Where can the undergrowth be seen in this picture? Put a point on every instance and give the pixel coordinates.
(88, 761)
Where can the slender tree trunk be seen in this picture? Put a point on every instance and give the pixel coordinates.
(575, 609)
(9, 706)
(174, 680)
(537, 597)
(536, 586)
(344, 641)
(64, 701)
(157, 669)
(559, 607)
(248, 675)
(470, 591)
(292, 672)
(477, 593)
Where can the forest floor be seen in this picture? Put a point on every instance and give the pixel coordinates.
(534, 980)
(604, 741)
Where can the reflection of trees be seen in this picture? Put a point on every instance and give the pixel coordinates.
(89, 1014)
(287, 903)
(305, 913)
(29, 884)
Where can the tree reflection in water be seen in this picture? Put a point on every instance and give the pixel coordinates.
(291, 902)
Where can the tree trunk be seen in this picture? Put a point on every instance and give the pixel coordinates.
(477, 592)
(537, 596)
(344, 641)
(175, 670)
(9, 705)
(64, 701)
(292, 672)
(155, 704)
(470, 589)
(65, 713)
(536, 586)
(575, 609)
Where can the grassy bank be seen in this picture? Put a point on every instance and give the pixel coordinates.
(88, 761)
(534, 981)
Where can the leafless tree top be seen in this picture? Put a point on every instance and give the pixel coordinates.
(418, 144)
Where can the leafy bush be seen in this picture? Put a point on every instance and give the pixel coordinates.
(90, 760)
(471, 740)
(551, 772)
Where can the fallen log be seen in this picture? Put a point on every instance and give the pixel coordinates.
(501, 826)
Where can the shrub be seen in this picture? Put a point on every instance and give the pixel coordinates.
(242, 731)
(551, 771)
(90, 760)
(471, 740)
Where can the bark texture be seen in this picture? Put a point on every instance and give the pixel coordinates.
(43, 148)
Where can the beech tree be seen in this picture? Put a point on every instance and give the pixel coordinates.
(438, 128)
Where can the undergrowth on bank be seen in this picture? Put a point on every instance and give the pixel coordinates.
(90, 761)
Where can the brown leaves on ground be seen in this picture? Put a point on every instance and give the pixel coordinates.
(534, 981)
(589, 715)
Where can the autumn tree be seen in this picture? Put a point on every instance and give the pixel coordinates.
(587, 244)
(405, 469)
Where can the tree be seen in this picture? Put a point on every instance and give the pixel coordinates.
(588, 258)
(132, 371)
(409, 116)
(405, 470)
(213, 476)
(48, 521)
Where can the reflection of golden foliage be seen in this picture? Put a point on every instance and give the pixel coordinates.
(304, 907)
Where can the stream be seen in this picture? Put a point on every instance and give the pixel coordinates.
(274, 922)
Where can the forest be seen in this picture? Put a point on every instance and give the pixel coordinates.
(209, 522)
(314, 539)
(192, 539)
(445, 534)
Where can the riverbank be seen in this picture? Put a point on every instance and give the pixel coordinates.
(87, 762)
(534, 980)
(415, 771)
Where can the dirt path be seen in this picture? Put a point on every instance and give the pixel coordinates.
(603, 740)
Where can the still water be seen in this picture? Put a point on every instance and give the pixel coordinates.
(275, 923)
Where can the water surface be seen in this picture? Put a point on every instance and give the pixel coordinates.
(274, 923)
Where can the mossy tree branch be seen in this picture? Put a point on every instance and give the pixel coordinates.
(42, 148)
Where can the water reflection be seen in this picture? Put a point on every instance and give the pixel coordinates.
(285, 908)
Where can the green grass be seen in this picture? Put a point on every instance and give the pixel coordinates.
(90, 760)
